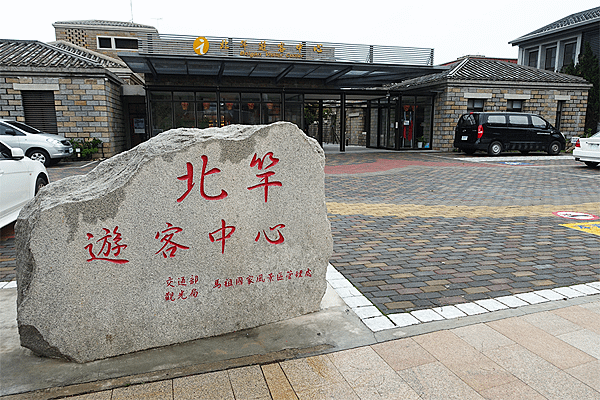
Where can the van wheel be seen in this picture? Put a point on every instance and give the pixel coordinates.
(495, 149)
(554, 148)
(591, 164)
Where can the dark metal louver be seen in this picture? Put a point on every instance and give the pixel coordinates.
(39, 110)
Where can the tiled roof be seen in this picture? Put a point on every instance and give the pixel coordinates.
(105, 61)
(31, 53)
(573, 20)
(491, 70)
(96, 22)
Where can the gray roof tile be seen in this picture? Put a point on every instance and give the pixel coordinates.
(97, 22)
(31, 53)
(105, 61)
(573, 20)
(471, 69)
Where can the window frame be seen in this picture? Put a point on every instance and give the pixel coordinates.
(113, 42)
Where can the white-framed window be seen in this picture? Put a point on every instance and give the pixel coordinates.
(550, 61)
(117, 43)
(532, 58)
(568, 54)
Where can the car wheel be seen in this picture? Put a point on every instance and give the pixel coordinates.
(39, 155)
(554, 148)
(495, 149)
(591, 164)
(469, 151)
(40, 182)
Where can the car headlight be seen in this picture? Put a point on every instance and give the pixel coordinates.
(54, 142)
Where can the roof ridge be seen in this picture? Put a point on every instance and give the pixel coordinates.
(457, 68)
(85, 50)
(70, 54)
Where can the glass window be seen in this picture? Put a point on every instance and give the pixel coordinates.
(162, 117)
(183, 96)
(475, 105)
(255, 97)
(160, 96)
(272, 97)
(569, 54)
(550, 58)
(518, 120)
(467, 120)
(206, 96)
(293, 97)
(538, 122)
(293, 113)
(230, 112)
(121, 43)
(532, 58)
(271, 112)
(496, 119)
(230, 97)
(206, 112)
(373, 125)
(184, 114)
(104, 43)
(515, 105)
(250, 111)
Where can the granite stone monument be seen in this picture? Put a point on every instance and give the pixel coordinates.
(194, 233)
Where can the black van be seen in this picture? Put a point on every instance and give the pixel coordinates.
(497, 131)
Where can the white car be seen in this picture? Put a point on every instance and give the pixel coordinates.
(587, 150)
(20, 180)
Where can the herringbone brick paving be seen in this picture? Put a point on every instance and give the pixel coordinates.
(414, 231)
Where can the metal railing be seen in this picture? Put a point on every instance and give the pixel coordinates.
(154, 44)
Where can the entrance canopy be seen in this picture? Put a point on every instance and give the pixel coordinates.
(335, 65)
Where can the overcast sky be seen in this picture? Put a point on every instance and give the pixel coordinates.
(452, 28)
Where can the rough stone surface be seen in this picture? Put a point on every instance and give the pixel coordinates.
(111, 262)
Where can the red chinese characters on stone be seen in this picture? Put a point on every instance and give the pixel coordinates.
(260, 279)
(280, 239)
(169, 246)
(110, 249)
(264, 177)
(189, 177)
(181, 293)
(225, 231)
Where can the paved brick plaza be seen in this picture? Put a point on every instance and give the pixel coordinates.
(421, 230)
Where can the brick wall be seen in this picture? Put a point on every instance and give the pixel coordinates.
(87, 38)
(86, 107)
(10, 100)
(452, 103)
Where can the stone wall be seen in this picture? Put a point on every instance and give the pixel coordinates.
(452, 103)
(86, 107)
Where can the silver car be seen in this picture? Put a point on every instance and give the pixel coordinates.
(46, 148)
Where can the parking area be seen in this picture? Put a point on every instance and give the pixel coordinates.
(420, 230)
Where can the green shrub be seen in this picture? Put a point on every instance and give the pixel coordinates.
(88, 147)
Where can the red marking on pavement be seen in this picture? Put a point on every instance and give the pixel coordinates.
(386, 165)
